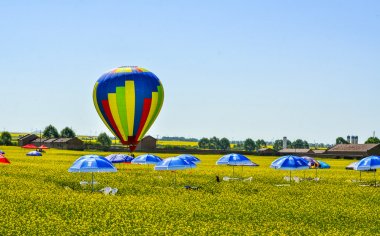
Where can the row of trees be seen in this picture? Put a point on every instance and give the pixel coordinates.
(51, 132)
(341, 140)
(214, 143)
(248, 145)
(297, 144)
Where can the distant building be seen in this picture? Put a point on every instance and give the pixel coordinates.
(68, 143)
(295, 151)
(354, 150)
(38, 142)
(267, 152)
(49, 142)
(24, 140)
(60, 143)
(148, 143)
(319, 151)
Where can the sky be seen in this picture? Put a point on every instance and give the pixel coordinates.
(236, 69)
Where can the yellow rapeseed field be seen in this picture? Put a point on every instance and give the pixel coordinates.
(39, 197)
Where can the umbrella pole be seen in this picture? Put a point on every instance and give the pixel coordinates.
(290, 176)
(233, 171)
(360, 178)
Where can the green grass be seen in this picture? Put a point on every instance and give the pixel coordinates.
(39, 196)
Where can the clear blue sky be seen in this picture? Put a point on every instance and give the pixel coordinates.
(235, 69)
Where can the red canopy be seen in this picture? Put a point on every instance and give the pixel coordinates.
(43, 147)
(31, 146)
(4, 160)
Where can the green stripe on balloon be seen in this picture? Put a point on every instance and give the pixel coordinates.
(158, 108)
(120, 98)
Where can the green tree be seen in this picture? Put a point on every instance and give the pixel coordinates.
(6, 138)
(214, 143)
(204, 143)
(341, 140)
(67, 133)
(249, 145)
(224, 144)
(278, 144)
(104, 140)
(260, 143)
(372, 140)
(299, 143)
(50, 132)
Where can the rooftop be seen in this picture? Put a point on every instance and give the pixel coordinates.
(352, 147)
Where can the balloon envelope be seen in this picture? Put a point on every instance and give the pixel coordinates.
(128, 99)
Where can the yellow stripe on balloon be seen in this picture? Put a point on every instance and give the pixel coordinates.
(123, 69)
(130, 105)
(150, 115)
(115, 113)
(98, 109)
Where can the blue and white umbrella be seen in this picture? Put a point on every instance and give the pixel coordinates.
(92, 163)
(234, 159)
(290, 163)
(174, 163)
(189, 158)
(34, 153)
(1, 152)
(146, 159)
(119, 158)
(370, 163)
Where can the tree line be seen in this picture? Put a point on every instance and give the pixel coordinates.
(51, 132)
(341, 140)
(248, 145)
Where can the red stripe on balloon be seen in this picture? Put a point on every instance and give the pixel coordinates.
(110, 118)
(144, 116)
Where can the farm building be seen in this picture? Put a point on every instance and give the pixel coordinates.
(295, 151)
(26, 139)
(354, 150)
(60, 143)
(49, 142)
(267, 152)
(148, 143)
(38, 141)
(318, 151)
(68, 143)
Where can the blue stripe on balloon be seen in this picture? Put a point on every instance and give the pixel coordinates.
(101, 94)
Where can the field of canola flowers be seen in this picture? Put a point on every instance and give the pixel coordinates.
(39, 196)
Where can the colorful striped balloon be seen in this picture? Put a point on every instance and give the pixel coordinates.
(128, 100)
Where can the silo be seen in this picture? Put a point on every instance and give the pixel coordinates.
(284, 142)
(348, 138)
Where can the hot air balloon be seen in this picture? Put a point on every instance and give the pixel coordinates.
(128, 100)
